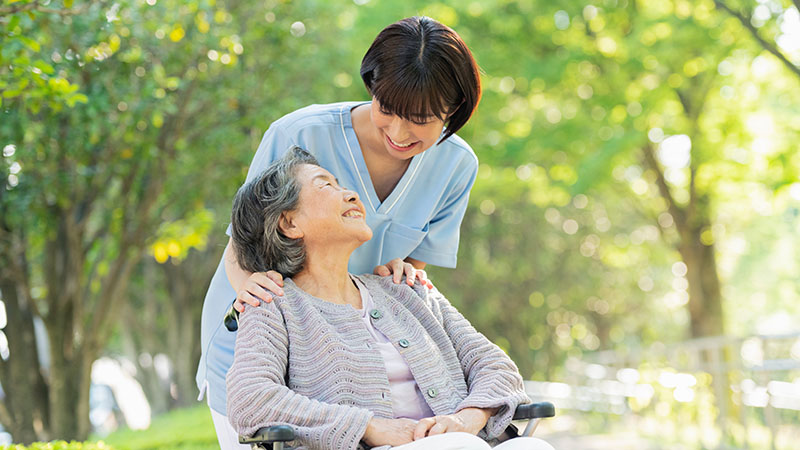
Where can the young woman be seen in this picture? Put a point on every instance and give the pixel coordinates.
(400, 154)
(347, 359)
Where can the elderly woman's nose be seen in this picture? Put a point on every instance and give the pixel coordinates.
(350, 196)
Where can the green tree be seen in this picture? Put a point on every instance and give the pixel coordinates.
(601, 79)
(90, 185)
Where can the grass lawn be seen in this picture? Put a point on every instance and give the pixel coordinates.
(184, 429)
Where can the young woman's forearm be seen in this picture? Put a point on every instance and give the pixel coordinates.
(419, 265)
(236, 275)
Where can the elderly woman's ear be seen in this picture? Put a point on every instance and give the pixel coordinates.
(288, 227)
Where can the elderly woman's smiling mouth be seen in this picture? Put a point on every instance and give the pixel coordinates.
(354, 213)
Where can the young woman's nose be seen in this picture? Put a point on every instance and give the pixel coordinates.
(398, 129)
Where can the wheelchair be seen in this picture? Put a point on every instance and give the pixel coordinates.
(275, 437)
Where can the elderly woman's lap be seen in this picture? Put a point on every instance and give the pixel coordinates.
(466, 441)
(524, 443)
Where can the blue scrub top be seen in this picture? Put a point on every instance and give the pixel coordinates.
(420, 218)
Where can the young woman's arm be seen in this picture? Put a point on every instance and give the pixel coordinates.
(419, 265)
(251, 288)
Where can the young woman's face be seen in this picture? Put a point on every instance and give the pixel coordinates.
(326, 211)
(402, 138)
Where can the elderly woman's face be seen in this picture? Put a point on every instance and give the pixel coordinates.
(326, 211)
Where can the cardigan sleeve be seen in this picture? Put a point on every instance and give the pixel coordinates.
(493, 379)
(258, 395)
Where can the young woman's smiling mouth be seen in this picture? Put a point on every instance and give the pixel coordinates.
(398, 146)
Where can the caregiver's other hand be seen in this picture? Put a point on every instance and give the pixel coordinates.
(468, 420)
(260, 286)
(397, 267)
(392, 432)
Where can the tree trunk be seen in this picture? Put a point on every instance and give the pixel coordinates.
(139, 339)
(187, 283)
(70, 381)
(705, 296)
(25, 401)
(71, 356)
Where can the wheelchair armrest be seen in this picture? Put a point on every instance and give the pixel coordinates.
(534, 411)
(275, 433)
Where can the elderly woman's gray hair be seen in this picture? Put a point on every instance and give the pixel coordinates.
(258, 243)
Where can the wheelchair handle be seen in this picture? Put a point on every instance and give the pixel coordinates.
(231, 319)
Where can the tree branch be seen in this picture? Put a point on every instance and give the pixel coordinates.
(745, 21)
(678, 214)
(18, 8)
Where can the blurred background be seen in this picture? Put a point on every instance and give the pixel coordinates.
(632, 239)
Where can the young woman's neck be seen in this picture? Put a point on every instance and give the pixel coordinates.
(325, 276)
(384, 170)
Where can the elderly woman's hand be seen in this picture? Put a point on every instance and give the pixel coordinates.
(260, 286)
(468, 420)
(398, 268)
(392, 432)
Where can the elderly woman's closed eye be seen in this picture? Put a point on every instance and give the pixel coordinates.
(347, 359)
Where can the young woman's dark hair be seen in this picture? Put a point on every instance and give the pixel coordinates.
(418, 67)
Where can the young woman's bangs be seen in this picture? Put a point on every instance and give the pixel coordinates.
(412, 102)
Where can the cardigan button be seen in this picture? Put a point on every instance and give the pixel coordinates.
(403, 343)
(432, 392)
(375, 314)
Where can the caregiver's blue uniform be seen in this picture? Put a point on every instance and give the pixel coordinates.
(420, 218)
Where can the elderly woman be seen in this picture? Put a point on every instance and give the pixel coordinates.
(348, 359)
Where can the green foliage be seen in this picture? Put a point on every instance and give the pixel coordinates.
(27, 72)
(550, 277)
(60, 445)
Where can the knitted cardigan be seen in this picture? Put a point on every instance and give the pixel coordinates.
(312, 364)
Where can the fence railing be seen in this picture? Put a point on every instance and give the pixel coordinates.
(718, 392)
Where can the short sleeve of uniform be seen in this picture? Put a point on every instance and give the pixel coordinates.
(274, 145)
(440, 245)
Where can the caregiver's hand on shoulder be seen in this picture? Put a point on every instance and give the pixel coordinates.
(397, 267)
(468, 420)
(259, 286)
(392, 432)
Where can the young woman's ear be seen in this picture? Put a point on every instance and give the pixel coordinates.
(288, 227)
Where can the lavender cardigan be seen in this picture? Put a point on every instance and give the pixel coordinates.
(303, 361)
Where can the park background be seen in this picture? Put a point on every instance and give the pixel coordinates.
(631, 240)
